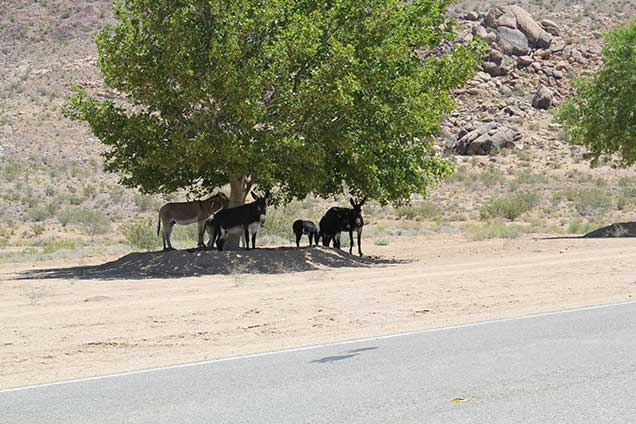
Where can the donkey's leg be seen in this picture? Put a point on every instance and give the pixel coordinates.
(310, 236)
(350, 241)
(201, 225)
(246, 233)
(359, 245)
(298, 237)
(254, 240)
(168, 233)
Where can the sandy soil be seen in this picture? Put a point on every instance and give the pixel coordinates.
(66, 323)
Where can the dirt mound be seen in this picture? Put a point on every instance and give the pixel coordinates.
(184, 263)
(625, 229)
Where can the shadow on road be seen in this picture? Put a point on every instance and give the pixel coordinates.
(184, 263)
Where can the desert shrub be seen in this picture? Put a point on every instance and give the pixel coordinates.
(509, 207)
(53, 245)
(42, 212)
(493, 230)
(578, 227)
(146, 203)
(421, 211)
(91, 221)
(11, 170)
(591, 201)
(142, 234)
(279, 221)
(381, 242)
(185, 233)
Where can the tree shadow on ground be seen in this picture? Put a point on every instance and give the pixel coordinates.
(619, 230)
(192, 263)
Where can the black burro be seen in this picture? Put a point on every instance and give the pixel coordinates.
(246, 219)
(307, 228)
(337, 220)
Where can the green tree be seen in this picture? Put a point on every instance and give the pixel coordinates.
(602, 114)
(300, 96)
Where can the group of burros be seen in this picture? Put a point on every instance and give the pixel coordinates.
(213, 216)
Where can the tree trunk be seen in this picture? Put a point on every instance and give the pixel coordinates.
(239, 189)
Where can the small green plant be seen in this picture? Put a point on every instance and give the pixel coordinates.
(509, 207)
(42, 212)
(91, 221)
(578, 227)
(53, 245)
(493, 230)
(425, 210)
(142, 235)
(381, 242)
(591, 201)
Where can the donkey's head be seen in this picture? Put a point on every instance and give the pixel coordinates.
(357, 212)
(261, 206)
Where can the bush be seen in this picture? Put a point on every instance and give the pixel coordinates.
(41, 213)
(280, 219)
(423, 210)
(142, 235)
(493, 230)
(591, 202)
(578, 227)
(147, 203)
(509, 207)
(53, 245)
(91, 221)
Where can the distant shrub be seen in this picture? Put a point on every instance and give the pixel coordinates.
(142, 235)
(53, 245)
(493, 230)
(279, 221)
(591, 201)
(147, 203)
(91, 221)
(509, 207)
(381, 242)
(578, 227)
(421, 211)
(42, 212)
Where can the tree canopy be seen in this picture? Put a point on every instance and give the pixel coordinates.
(307, 96)
(602, 114)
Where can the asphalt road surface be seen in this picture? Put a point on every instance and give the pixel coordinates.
(570, 367)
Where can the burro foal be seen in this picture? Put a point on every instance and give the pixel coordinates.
(186, 213)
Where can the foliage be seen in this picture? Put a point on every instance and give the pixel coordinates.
(578, 227)
(422, 211)
(493, 230)
(592, 201)
(510, 207)
(142, 235)
(91, 221)
(302, 95)
(602, 114)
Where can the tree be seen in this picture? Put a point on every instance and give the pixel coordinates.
(299, 96)
(602, 114)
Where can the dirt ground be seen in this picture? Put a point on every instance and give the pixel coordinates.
(61, 322)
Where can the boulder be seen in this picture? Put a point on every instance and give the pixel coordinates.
(495, 70)
(481, 32)
(491, 17)
(543, 99)
(507, 20)
(512, 41)
(551, 27)
(495, 56)
(535, 34)
(483, 140)
(471, 16)
(524, 61)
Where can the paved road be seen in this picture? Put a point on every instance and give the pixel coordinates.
(572, 367)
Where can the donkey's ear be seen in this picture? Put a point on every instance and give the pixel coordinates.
(353, 203)
(254, 195)
(363, 201)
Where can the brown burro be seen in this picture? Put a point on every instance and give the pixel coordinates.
(186, 213)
